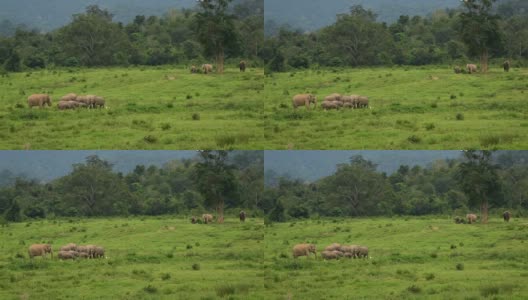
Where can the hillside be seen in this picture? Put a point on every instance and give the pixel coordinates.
(48, 15)
(312, 165)
(314, 14)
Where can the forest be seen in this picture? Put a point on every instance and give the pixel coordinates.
(210, 181)
(477, 180)
(95, 39)
(358, 38)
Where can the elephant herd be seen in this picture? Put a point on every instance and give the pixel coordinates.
(69, 101)
(208, 218)
(69, 251)
(333, 251)
(472, 68)
(472, 218)
(333, 101)
(208, 68)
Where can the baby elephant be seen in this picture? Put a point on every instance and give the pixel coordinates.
(327, 255)
(242, 216)
(304, 250)
(471, 218)
(506, 215)
(67, 255)
(40, 250)
(207, 218)
(304, 100)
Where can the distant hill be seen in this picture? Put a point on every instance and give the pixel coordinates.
(314, 14)
(312, 165)
(47, 15)
(48, 165)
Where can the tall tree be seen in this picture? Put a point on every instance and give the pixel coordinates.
(480, 29)
(215, 29)
(479, 179)
(215, 179)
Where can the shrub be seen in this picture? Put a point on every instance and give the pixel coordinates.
(460, 116)
(430, 126)
(150, 139)
(460, 266)
(196, 116)
(165, 276)
(414, 289)
(196, 267)
(165, 126)
(429, 276)
(150, 289)
(224, 290)
(299, 212)
(414, 139)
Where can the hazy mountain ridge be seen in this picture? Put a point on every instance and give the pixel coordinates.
(314, 14)
(312, 165)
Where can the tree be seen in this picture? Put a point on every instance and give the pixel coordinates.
(479, 29)
(215, 179)
(94, 39)
(215, 29)
(479, 179)
(13, 212)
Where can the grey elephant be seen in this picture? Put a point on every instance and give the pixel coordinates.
(457, 70)
(64, 105)
(471, 68)
(329, 105)
(304, 99)
(303, 250)
(471, 218)
(242, 66)
(242, 216)
(207, 218)
(333, 97)
(67, 255)
(39, 100)
(69, 97)
(194, 69)
(98, 102)
(207, 68)
(506, 66)
(363, 102)
(506, 216)
(39, 250)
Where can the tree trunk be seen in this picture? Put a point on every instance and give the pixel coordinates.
(484, 211)
(484, 61)
(220, 212)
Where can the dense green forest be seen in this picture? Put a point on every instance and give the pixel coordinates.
(189, 185)
(358, 38)
(448, 186)
(94, 38)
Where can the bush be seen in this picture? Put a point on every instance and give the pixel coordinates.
(196, 116)
(150, 139)
(460, 266)
(165, 276)
(414, 139)
(196, 267)
(150, 289)
(34, 212)
(299, 212)
(224, 290)
(460, 116)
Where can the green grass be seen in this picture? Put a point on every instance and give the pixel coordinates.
(417, 258)
(410, 110)
(147, 258)
(148, 108)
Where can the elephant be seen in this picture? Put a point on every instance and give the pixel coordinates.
(333, 97)
(304, 99)
(207, 68)
(90, 249)
(333, 247)
(506, 66)
(471, 218)
(86, 100)
(194, 220)
(69, 247)
(304, 250)
(347, 99)
(82, 249)
(338, 103)
(39, 100)
(62, 255)
(362, 251)
(63, 105)
(327, 255)
(348, 105)
(69, 97)
(98, 102)
(506, 215)
(471, 68)
(457, 70)
(40, 250)
(363, 102)
(242, 216)
(329, 105)
(194, 69)
(98, 252)
(82, 254)
(207, 218)
(242, 66)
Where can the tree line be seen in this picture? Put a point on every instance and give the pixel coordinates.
(210, 182)
(211, 32)
(476, 182)
(476, 30)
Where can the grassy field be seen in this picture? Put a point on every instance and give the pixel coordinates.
(410, 259)
(148, 108)
(150, 258)
(412, 108)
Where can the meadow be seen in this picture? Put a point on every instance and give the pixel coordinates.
(147, 258)
(410, 258)
(411, 108)
(163, 107)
